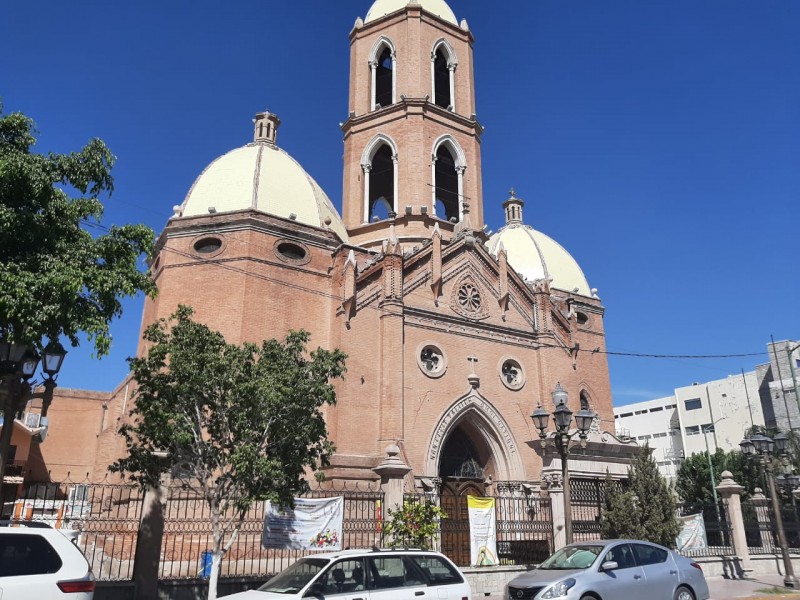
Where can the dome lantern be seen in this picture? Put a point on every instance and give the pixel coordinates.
(266, 128)
(513, 207)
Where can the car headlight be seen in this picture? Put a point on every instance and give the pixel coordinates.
(560, 589)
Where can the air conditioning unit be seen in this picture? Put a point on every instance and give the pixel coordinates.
(32, 420)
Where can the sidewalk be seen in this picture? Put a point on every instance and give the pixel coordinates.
(725, 589)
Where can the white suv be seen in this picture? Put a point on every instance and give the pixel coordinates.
(366, 575)
(39, 562)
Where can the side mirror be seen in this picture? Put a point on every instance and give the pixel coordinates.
(609, 565)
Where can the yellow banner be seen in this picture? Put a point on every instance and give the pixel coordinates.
(479, 503)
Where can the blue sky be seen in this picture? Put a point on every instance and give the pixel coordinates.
(659, 142)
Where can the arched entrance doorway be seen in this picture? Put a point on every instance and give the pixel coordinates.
(462, 468)
(471, 443)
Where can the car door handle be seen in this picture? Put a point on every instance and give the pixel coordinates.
(419, 593)
(673, 572)
(637, 576)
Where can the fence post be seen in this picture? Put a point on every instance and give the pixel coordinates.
(147, 560)
(731, 492)
(554, 488)
(392, 472)
(761, 502)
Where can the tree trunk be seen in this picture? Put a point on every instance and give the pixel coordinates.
(216, 561)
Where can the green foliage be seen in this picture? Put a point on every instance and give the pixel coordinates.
(243, 422)
(414, 525)
(55, 277)
(642, 508)
(237, 424)
(693, 482)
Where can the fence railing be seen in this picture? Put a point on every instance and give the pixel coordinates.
(719, 535)
(523, 522)
(104, 521)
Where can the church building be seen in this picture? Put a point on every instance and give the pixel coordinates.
(453, 336)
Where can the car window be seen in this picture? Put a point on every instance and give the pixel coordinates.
(437, 570)
(344, 577)
(649, 555)
(622, 555)
(296, 577)
(578, 556)
(390, 572)
(22, 554)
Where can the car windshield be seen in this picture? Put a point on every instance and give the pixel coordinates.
(573, 557)
(296, 577)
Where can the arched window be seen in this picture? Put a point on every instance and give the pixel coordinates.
(380, 179)
(446, 186)
(585, 405)
(441, 80)
(443, 66)
(382, 65)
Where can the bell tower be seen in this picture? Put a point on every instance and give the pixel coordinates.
(412, 139)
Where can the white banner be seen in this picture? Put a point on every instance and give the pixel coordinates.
(692, 535)
(482, 531)
(313, 524)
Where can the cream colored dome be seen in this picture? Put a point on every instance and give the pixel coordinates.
(384, 7)
(535, 255)
(262, 177)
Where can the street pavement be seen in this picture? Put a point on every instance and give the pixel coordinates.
(730, 589)
(724, 589)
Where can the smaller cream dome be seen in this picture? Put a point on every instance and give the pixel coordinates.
(535, 255)
(261, 176)
(385, 7)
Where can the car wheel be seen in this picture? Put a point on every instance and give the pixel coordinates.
(684, 593)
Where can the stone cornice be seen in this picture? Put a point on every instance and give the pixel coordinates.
(406, 106)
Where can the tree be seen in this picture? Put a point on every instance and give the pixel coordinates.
(414, 525)
(242, 423)
(693, 482)
(641, 508)
(56, 278)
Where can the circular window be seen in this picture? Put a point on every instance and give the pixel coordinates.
(207, 245)
(431, 360)
(583, 318)
(511, 374)
(292, 252)
(469, 298)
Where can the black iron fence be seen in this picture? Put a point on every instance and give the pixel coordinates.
(103, 519)
(523, 525)
(717, 527)
(586, 497)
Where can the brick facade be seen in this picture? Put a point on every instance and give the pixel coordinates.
(398, 288)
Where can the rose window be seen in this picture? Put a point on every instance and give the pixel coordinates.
(469, 298)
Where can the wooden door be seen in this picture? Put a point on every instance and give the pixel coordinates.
(455, 528)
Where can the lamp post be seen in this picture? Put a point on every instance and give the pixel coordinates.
(705, 429)
(18, 364)
(563, 440)
(762, 447)
(794, 372)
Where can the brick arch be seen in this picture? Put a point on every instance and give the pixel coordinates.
(487, 422)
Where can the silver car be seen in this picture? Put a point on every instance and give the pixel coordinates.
(611, 569)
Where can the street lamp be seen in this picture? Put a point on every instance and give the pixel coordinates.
(794, 372)
(18, 364)
(762, 447)
(563, 440)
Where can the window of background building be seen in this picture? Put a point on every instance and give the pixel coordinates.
(640, 412)
(708, 427)
(693, 404)
(625, 415)
(657, 409)
(693, 430)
